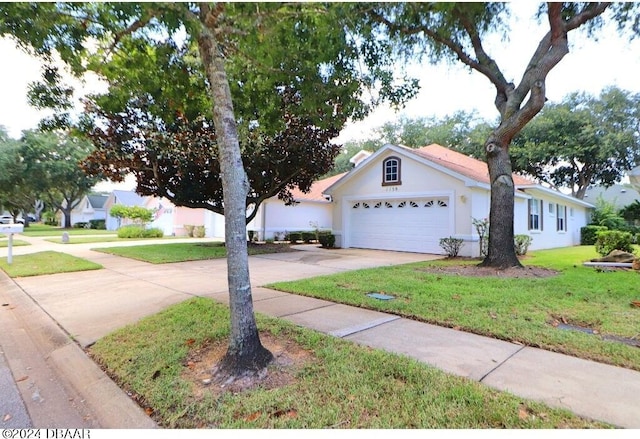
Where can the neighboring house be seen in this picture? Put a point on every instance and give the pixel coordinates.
(309, 212)
(172, 219)
(126, 198)
(619, 195)
(91, 207)
(408, 199)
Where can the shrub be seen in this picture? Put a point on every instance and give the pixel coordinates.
(482, 228)
(589, 234)
(607, 215)
(135, 231)
(327, 240)
(451, 245)
(198, 232)
(130, 231)
(251, 234)
(307, 237)
(521, 244)
(609, 240)
(81, 225)
(98, 224)
(189, 229)
(294, 237)
(152, 233)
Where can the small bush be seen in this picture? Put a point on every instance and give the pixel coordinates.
(589, 234)
(327, 240)
(97, 224)
(198, 232)
(81, 225)
(137, 232)
(451, 246)
(294, 237)
(189, 229)
(609, 240)
(152, 233)
(307, 237)
(521, 244)
(130, 231)
(251, 234)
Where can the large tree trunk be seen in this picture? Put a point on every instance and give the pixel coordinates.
(245, 353)
(501, 251)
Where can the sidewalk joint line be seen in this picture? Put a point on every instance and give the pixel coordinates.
(501, 363)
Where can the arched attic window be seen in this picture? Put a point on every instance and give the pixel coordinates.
(391, 171)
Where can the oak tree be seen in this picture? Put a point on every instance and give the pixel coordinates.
(457, 32)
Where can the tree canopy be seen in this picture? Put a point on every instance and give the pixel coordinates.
(582, 141)
(262, 49)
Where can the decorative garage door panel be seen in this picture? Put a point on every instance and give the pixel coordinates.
(414, 225)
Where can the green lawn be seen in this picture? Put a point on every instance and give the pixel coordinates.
(180, 252)
(521, 310)
(79, 239)
(338, 384)
(49, 262)
(43, 230)
(4, 242)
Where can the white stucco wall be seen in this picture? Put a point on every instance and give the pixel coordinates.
(275, 217)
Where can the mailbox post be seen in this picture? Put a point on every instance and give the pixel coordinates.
(10, 229)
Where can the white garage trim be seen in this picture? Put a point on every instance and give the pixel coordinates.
(413, 222)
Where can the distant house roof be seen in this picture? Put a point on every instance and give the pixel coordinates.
(619, 195)
(97, 201)
(127, 198)
(317, 188)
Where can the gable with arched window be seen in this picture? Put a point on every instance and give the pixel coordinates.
(391, 171)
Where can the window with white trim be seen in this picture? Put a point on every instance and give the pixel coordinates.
(535, 214)
(391, 171)
(561, 218)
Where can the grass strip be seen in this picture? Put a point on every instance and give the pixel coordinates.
(181, 252)
(340, 385)
(48, 262)
(527, 310)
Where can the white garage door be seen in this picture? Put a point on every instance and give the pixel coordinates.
(413, 225)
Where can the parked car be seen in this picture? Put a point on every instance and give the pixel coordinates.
(6, 219)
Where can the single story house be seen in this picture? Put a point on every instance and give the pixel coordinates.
(172, 219)
(310, 211)
(91, 207)
(619, 195)
(407, 199)
(126, 198)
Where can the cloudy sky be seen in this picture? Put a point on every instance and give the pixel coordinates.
(590, 66)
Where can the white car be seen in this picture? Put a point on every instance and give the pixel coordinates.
(6, 219)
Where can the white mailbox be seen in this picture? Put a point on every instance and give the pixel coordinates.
(10, 229)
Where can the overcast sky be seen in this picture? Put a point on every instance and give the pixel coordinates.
(590, 66)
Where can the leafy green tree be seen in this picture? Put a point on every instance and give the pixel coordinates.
(581, 141)
(52, 165)
(457, 32)
(137, 214)
(631, 213)
(17, 189)
(258, 48)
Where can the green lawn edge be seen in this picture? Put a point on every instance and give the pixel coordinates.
(47, 262)
(343, 385)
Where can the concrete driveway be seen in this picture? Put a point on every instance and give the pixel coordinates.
(91, 304)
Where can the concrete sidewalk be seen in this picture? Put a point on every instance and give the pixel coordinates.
(45, 315)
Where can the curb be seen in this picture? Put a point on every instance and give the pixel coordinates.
(59, 384)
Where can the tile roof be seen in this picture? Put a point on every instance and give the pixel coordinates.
(462, 164)
(315, 193)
